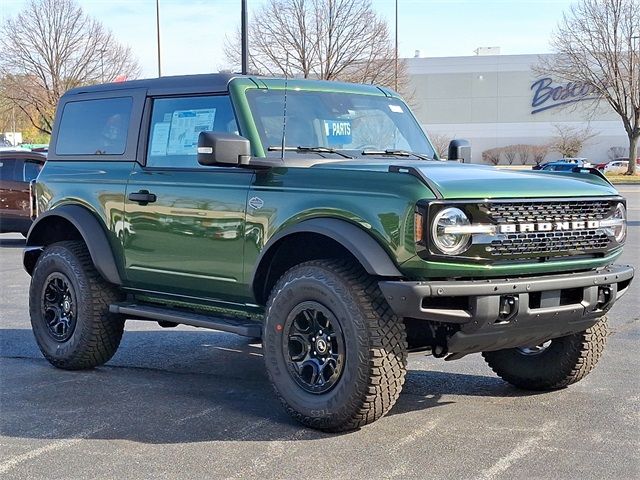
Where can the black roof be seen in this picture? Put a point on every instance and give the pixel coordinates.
(22, 154)
(209, 82)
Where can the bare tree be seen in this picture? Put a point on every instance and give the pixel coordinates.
(440, 142)
(539, 152)
(52, 46)
(598, 44)
(524, 153)
(510, 153)
(569, 141)
(616, 152)
(492, 155)
(325, 39)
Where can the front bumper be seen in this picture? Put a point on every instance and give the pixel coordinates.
(503, 313)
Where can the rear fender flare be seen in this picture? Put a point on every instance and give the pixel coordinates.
(90, 229)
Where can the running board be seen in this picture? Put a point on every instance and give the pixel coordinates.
(246, 328)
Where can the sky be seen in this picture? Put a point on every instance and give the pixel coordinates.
(192, 32)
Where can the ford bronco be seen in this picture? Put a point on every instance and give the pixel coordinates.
(318, 217)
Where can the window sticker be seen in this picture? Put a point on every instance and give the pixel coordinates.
(186, 125)
(159, 138)
(337, 132)
(395, 108)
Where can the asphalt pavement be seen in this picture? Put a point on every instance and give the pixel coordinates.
(192, 403)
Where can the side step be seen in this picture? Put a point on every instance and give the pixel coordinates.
(246, 328)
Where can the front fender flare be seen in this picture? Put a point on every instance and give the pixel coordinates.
(373, 258)
(92, 232)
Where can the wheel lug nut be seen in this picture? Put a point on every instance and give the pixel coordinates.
(314, 352)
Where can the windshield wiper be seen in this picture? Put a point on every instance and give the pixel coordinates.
(399, 153)
(308, 149)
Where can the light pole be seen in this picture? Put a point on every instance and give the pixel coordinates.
(395, 76)
(245, 37)
(158, 35)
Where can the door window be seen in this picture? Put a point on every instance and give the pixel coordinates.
(176, 124)
(30, 171)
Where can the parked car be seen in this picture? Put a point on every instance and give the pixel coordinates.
(558, 167)
(602, 165)
(17, 169)
(616, 166)
(576, 162)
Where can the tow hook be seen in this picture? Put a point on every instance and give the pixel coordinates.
(509, 306)
(604, 297)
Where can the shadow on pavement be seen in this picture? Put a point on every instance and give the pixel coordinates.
(176, 387)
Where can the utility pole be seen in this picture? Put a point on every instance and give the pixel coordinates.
(396, 59)
(245, 37)
(158, 35)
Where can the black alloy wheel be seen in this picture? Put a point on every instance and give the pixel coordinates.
(58, 306)
(314, 349)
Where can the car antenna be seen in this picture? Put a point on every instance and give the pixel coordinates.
(284, 109)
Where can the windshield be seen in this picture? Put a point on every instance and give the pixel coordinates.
(336, 121)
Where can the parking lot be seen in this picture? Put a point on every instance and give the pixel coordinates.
(191, 403)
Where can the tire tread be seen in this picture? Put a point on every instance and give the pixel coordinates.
(102, 333)
(578, 357)
(384, 376)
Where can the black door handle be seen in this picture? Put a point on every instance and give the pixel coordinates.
(143, 197)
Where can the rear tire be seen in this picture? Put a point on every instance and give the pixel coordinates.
(365, 349)
(69, 307)
(566, 360)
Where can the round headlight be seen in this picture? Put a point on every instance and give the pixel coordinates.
(444, 234)
(619, 229)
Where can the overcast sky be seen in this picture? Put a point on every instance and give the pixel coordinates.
(193, 31)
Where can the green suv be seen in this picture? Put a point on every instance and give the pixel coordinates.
(316, 216)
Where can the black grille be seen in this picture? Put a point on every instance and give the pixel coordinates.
(535, 212)
(554, 243)
(543, 244)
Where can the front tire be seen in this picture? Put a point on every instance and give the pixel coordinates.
(334, 351)
(557, 364)
(69, 308)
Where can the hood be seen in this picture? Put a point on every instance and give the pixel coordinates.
(468, 181)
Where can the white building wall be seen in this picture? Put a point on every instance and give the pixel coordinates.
(488, 100)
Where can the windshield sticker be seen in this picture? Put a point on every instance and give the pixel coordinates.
(159, 138)
(186, 126)
(396, 108)
(337, 132)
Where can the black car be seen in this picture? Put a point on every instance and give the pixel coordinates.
(558, 167)
(17, 169)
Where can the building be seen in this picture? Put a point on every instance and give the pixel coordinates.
(498, 100)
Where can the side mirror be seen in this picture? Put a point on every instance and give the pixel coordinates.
(216, 148)
(460, 150)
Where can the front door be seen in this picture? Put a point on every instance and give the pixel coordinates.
(183, 231)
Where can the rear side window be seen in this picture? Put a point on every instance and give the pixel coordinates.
(7, 169)
(94, 127)
(176, 124)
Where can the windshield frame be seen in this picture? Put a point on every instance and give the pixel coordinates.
(272, 149)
